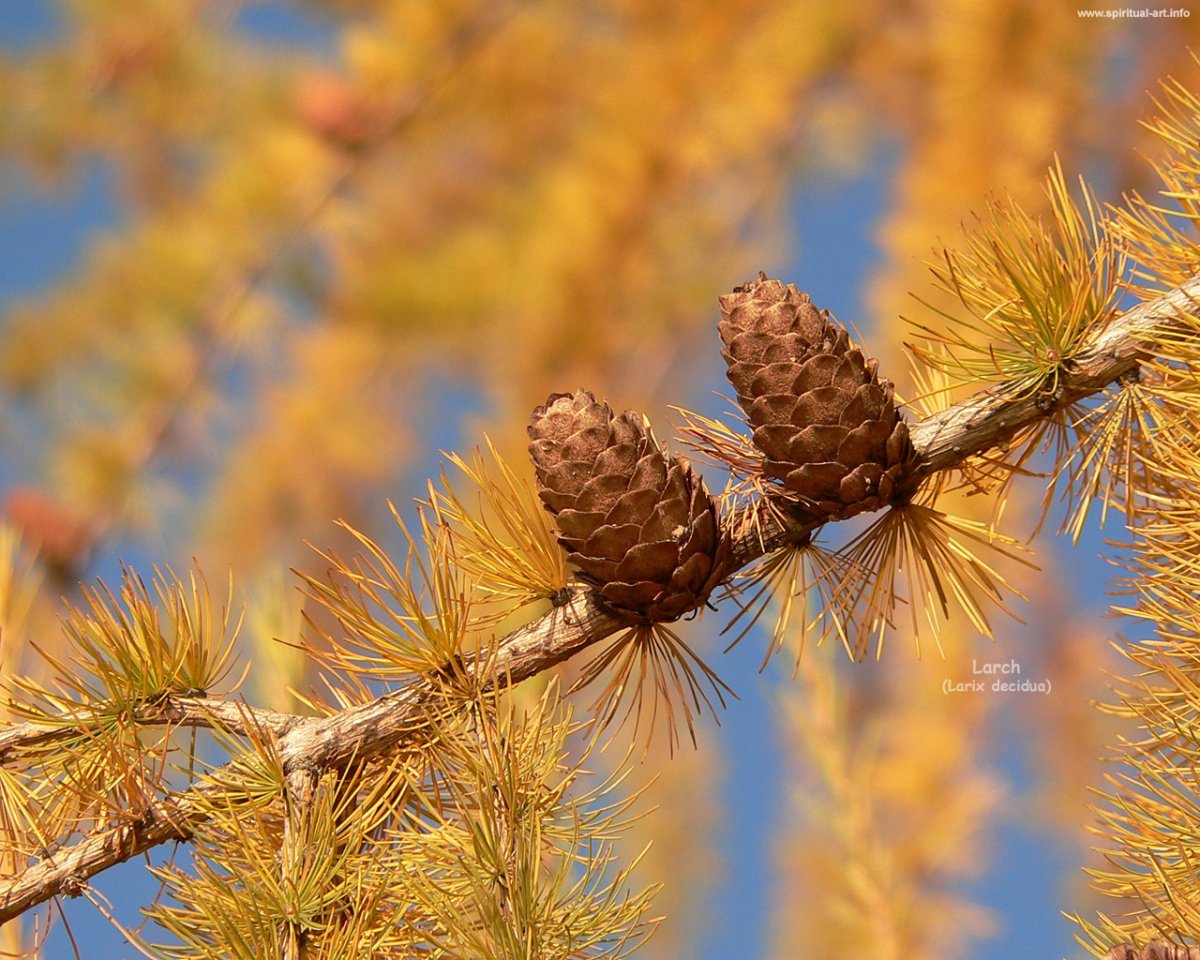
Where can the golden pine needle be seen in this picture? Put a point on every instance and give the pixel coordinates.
(1161, 241)
(505, 542)
(1162, 238)
(653, 670)
(801, 581)
(396, 623)
(129, 650)
(930, 560)
(1033, 290)
(1115, 456)
(519, 859)
(723, 447)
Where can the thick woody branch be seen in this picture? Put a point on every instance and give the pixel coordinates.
(974, 426)
(67, 871)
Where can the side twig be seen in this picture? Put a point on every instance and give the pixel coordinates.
(172, 710)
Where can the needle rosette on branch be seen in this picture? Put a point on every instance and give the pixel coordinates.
(827, 424)
(637, 523)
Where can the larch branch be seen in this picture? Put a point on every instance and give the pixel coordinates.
(969, 428)
(992, 417)
(67, 871)
(171, 710)
(302, 785)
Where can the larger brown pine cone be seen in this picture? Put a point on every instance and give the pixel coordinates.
(641, 526)
(826, 422)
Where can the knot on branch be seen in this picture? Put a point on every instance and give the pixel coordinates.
(73, 885)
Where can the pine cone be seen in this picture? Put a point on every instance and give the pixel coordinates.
(827, 424)
(1155, 950)
(641, 526)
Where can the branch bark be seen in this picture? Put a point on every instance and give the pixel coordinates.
(67, 871)
(990, 418)
(172, 710)
(978, 424)
(302, 785)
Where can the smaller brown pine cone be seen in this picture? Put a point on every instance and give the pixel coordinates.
(827, 424)
(639, 525)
